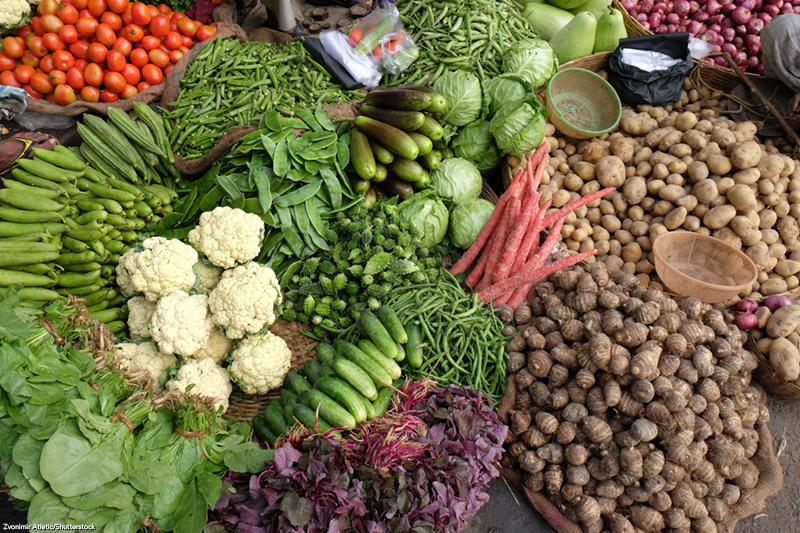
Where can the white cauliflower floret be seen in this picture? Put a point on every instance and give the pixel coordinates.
(260, 363)
(161, 267)
(207, 275)
(181, 323)
(244, 300)
(145, 356)
(124, 276)
(228, 236)
(140, 309)
(209, 379)
(14, 13)
(216, 347)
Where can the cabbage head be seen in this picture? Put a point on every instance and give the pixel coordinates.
(532, 60)
(468, 219)
(457, 179)
(506, 88)
(518, 127)
(464, 96)
(426, 214)
(474, 143)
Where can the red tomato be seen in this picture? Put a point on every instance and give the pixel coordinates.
(205, 33)
(134, 33)
(186, 26)
(29, 59)
(57, 77)
(33, 93)
(131, 74)
(127, 16)
(114, 81)
(24, 31)
(186, 41)
(175, 56)
(173, 25)
(47, 7)
(65, 94)
(36, 24)
(152, 74)
(63, 60)
(128, 91)
(85, 14)
(52, 42)
(140, 14)
(106, 35)
(37, 47)
(68, 34)
(168, 69)
(7, 78)
(184, 50)
(79, 49)
(51, 23)
(117, 6)
(159, 58)
(139, 57)
(165, 9)
(123, 45)
(93, 74)
(176, 16)
(97, 7)
(355, 36)
(75, 78)
(13, 48)
(41, 83)
(6, 63)
(81, 64)
(80, 4)
(377, 52)
(142, 86)
(159, 26)
(68, 14)
(163, 49)
(112, 19)
(90, 94)
(97, 53)
(87, 27)
(150, 43)
(48, 64)
(172, 41)
(108, 96)
(23, 73)
(153, 11)
(115, 61)
(50, 97)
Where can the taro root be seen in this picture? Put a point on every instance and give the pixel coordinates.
(540, 394)
(520, 422)
(531, 462)
(522, 314)
(585, 378)
(553, 479)
(516, 362)
(647, 519)
(647, 313)
(504, 313)
(539, 363)
(547, 423)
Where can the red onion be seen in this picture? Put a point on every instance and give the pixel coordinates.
(720, 62)
(719, 18)
(641, 18)
(693, 27)
(681, 28)
(728, 34)
(755, 26)
(654, 19)
(752, 62)
(741, 15)
(715, 28)
(787, 9)
(712, 7)
(694, 7)
(746, 4)
(741, 30)
(659, 7)
(701, 16)
(746, 306)
(661, 28)
(797, 9)
(757, 4)
(716, 49)
(629, 5)
(729, 49)
(681, 7)
(776, 301)
(753, 44)
(672, 28)
(778, 3)
(710, 37)
(673, 19)
(746, 322)
(709, 60)
(727, 9)
(738, 42)
(760, 69)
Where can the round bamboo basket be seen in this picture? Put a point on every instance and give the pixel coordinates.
(632, 26)
(765, 375)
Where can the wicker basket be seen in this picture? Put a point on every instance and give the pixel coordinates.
(765, 375)
(632, 26)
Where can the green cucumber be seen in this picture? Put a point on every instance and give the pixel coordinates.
(424, 144)
(381, 404)
(311, 370)
(380, 173)
(309, 418)
(374, 370)
(361, 155)
(430, 160)
(273, 415)
(287, 395)
(368, 406)
(355, 376)
(296, 383)
(401, 352)
(382, 155)
(388, 364)
(431, 129)
(395, 140)
(413, 350)
(330, 410)
(403, 99)
(406, 169)
(325, 352)
(376, 331)
(345, 394)
(392, 323)
(262, 431)
(438, 103)
(326, 370)
(404, 120)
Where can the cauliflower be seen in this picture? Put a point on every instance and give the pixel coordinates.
(161, 267)
(145, 356)
(209, 379)
(227, 236)
(260, 363)
(207, 275)
(13, 14)
(124, 276)
(216, 347)
(140, 309)
(181, 323)
(244, 300)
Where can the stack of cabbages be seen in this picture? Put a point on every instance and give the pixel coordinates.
(204, 302)
(632, 410)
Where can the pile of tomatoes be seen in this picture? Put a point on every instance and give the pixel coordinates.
(97, 50)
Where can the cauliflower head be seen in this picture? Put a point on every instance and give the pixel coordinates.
(124, 276)
(163, 266)
(216, 347)
(13, 14)
(181, 323)
(209, 379)
(145, 356)
(244, 300)
(260, 363)
(207, 275)
(228, 236)
(140, 309)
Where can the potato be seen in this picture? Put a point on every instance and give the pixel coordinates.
(785, 359)
(573, 182)
(792, 282)
(724, 185)
(708, 151)
(594, 152)
(742, 198)
(692, 223)
(742, 226)
(705, 191)
(728, 236)
(560, 198)
(644, 169)
(783, 321)
(752, 238)
(746, 155)
(701, 210)
(698, 171)
(680, 150)
(675, 218)
(719, 165)
(719, 217)
(671, 193)
(767, 218)
(647, 203)
(611, 223)
(770, 167)
(747, 129)
(770, 236)
(688, 201)
(589, 187)
(695, 139)
(788, 229)
(723, 137)
(624, 148)
(662, 208)
(765, 187)
(773, 286)
(638, 125)
(632, 252)
(677, 167)
(585, 170)
(624, 237)
(777, 250)
(639, 228)
(662, 158)
(685, 121)
(634, 190)
(748, 176)
(635, 213)
(787, 267)
(764, 345)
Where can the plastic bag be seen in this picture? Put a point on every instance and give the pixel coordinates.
(12, 102)
(659, 87)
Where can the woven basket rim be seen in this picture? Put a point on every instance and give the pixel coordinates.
(765, 374)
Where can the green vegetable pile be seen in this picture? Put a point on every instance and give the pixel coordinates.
(233, 83)
(373, 254)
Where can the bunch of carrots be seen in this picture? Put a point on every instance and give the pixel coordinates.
(512, 258)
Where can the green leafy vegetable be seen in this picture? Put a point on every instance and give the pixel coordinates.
(506, 88)
(533, 60)
(518, 127)
(475, 144)
(456, 179)
(427, 214)
(464, 96)
(468, 219)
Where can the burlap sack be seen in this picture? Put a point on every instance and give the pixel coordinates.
(79, 106)
(770, 479)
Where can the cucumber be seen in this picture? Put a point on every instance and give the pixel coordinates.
(401, 351)
(424, 144)
(287, 411)
(262, 431)
(296, 383)
(423, 183)
(345, 394)
(368, 406)
(430, 160)
(273, 415)
(326, 370)
(413, 351)
(325, 352)
(438, 103)
(406, 169)
(330, 409)
(404, 99)
(392, 323)
(308, 417)
(355, 376)
(375, 371)
(311, 370)
(382, 155)
(393, 186)
(376, 331)
(396, 141)
(389, 365)
(380, 173)
(361, 155)
(404, 120)
(431, 129)
(287, 395)
(381, 404)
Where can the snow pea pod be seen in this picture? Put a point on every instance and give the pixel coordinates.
(298, 196)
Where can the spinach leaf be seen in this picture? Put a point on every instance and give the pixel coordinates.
(27, 452)
(247, 457)
(191, 514)
(21, 488)
(210, 487)
(47, 508)
(166, 500)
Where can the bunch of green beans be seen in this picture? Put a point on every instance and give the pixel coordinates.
(453, 34)
(233, 83)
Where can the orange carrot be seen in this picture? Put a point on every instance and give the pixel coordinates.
(519, 296)
(502, 300)
(516, 236)
(477, 272)
(545, 158)
(499, 242)
(531, 240)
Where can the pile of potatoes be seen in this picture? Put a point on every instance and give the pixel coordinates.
(680, 167)
(633, 412)
(777, 337)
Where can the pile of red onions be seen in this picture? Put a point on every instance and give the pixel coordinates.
(747, 320)
(731, 26)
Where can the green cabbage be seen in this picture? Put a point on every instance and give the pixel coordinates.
(427, 214)
(457, 179)
(531, 59)
(518, 127)
(474, 143)
(467, 221)
(506, 88)
(464, 96)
